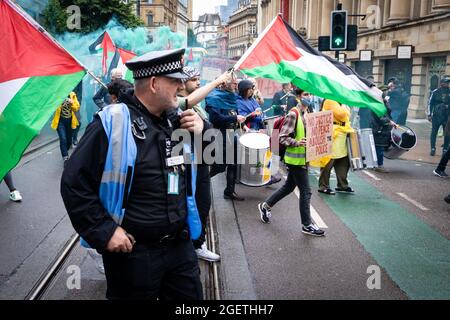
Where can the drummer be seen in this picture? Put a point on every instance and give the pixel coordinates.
(249, 107)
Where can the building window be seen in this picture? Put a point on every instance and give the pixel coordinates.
(252, 28)
(149, 19)
(150, 1)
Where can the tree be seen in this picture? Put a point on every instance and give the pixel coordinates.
(55, 17)
(95, 14)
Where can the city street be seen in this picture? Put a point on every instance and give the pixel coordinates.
(397, 221)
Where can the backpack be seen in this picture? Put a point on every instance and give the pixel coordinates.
(279, 123)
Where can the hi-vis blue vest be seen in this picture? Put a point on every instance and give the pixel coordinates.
(121, 157)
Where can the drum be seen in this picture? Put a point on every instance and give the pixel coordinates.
(354, 152)
(368, 150)
(403, 139)
(361, 150)
(255, 159)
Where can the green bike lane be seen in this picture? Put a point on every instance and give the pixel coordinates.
(416, 257)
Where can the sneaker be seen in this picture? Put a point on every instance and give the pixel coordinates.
(98, 259)
(313, 230)
(207, 255)
(274, 180)
(75, 142)
(348, 190)
(233, 196)
(433, 152)
(440, 174)
(381, 170)
(15, 196)
(264, 211)
(327, 192)
(65, 159)
(447, 199)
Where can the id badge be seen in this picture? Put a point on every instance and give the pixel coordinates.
(173, 184)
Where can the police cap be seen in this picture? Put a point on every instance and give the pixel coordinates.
(167, 63)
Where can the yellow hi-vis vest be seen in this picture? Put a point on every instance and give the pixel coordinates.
(296, 156)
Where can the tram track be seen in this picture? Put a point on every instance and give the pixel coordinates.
(45, 281)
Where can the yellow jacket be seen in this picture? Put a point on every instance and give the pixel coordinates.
(75, 108)
(341, 127)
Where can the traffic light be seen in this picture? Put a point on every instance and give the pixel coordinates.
(338, 39)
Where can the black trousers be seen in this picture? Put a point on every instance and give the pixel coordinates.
(297, 177)
(230, 168)
(444, 161)
(203, 200)
(165, 272)
(437, 123)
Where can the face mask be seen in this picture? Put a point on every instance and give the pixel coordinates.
(307, 102)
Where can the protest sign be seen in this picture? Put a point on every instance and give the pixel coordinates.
(319, 135)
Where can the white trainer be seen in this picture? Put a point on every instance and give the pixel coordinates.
(15, 196)
(204, 254)
(98, 259)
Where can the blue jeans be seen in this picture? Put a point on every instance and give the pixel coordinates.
(380, 155)
(65, 135)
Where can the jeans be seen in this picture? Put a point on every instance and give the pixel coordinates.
(380, 155)
(65, 135)
(166, 272)
(444, 161)
(203, 200)
(297, 177)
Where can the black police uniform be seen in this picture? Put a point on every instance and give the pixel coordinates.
(163, 263)
(439, 110)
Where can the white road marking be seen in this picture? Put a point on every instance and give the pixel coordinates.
(314, 214)
(374, 177)
(414, 202)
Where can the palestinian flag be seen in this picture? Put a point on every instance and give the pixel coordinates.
(120, 58)
(36, 75)
(282, 55)
(105, 43)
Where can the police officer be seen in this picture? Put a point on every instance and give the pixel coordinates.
(126, 194)
(438, 113)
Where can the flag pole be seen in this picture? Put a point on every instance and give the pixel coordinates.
(89, 72)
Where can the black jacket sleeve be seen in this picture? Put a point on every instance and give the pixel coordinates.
(80, 184)
(99, 97)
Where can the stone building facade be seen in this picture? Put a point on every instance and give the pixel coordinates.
(242, 28)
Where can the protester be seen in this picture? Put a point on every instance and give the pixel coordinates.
(125, 193)
(222, 109)
(14, 194)
(117, 88)
(79, 93)
(189, 97)
(102, 98)
(248, 107)
(438, 113)
(339, 160)
(256, 93)
(440, 170)
(295, 159)
(284, 100)
(64, 122)
(381, 129)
